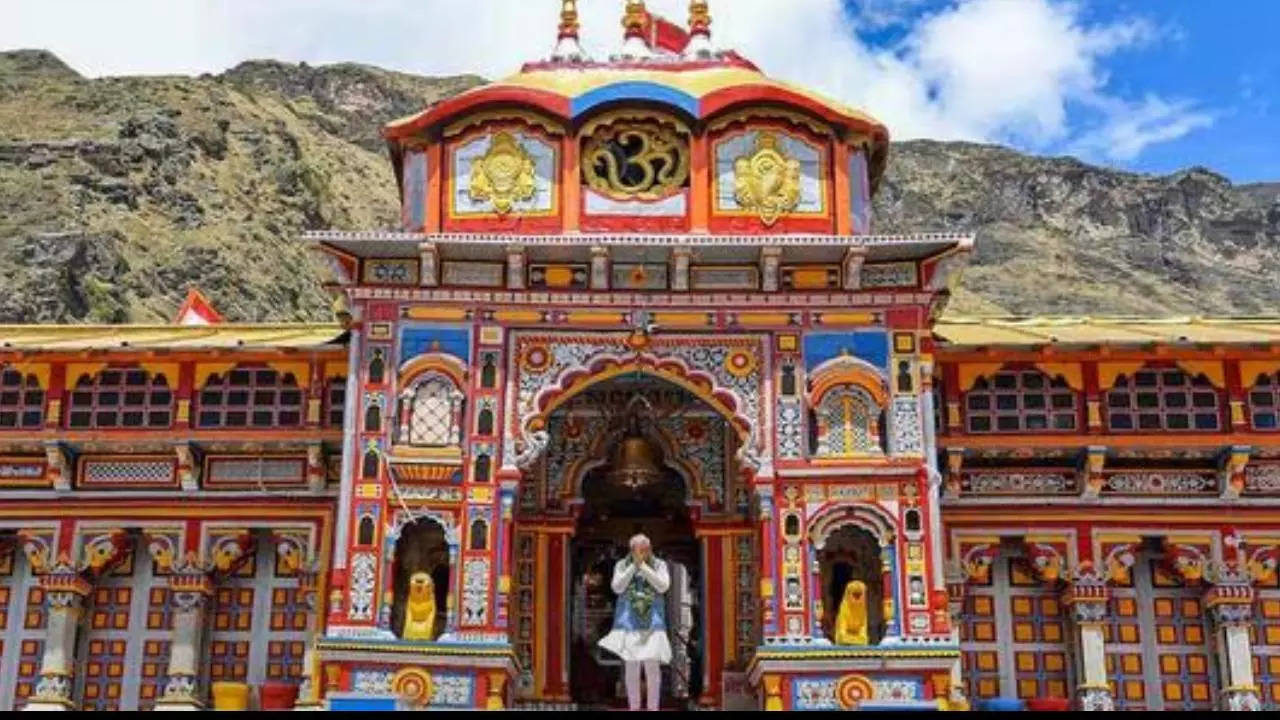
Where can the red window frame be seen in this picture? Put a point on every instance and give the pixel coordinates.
(1156, 399)
(1264, 403)
(1018, 400)
(250, 397)
(120, 398)
(21, 400)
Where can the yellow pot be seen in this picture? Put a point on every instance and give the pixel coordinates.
(230, 696)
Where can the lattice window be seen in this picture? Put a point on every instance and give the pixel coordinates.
(746, 574)
(256, 397)
(1168, 399)
(22, 630)
(21, 400)
(259, 623)
(121, 398)
(124, 653)
(1020, 401)
(523, 609)
(435, 413)
(335, 401)
(847, 423)
(1264, 639)
(1264, 402)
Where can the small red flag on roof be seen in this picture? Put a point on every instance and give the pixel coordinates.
(197, 310)
(662, 34)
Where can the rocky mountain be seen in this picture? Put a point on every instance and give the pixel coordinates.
(116, 194)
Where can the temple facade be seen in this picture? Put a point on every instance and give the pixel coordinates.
(640, 294)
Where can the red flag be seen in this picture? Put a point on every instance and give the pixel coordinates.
(662, 34)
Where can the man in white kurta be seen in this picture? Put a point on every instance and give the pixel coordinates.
(639, 634)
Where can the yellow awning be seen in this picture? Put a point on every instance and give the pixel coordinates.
(174, 337)
(977, 332)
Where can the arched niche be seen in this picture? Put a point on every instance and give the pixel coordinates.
(852, 553)
(421, 547)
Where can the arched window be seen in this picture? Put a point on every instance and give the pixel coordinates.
(489, 373)
(435, 413)
(846, 423)
(373, 419)
(484, 425)
(1162, 399)
(479, 534)
(21, 400)
(121, 398)
(1264, 402)
(369, 470)
(335, 401)
(377, 368)
(250, 397)
(366, 534)
(1020, 401)
(482, 468)
(788, 381)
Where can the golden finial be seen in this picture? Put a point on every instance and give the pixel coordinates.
(569, 19)
(699, 29)
(699, 18)
(567, 47)
(633, 20)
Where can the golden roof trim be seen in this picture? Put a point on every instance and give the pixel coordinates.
(1111, 330)
(156, 336)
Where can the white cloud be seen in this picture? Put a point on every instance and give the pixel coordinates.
(1131, 127)
(987, 70)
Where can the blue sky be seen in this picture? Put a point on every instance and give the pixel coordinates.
(1151, 86)
(1218, 60)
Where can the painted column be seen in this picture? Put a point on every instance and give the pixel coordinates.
(892, 628)
(957, 583)
(309, 691)
(1086, 599)
(190, 593)
(1230, 605)
(65, 591)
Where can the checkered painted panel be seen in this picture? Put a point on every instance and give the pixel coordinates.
(22, 626)
(1264, 637)
(1182, 634)
(124, 649)
(1158, 638)
(1123, 636)
(259, 623)
(979, 644)
(1039, 637)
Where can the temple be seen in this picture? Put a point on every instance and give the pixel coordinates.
(641, 293)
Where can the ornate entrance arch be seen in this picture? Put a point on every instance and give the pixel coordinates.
(729, 372)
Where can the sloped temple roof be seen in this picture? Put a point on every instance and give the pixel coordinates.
(1035, 331)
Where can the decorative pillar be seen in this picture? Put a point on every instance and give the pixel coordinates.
(851, 268)
(65, 591)
(190, 591)
(515, 267)
(1231, 471)
(773, 692)
(892, 628)
(599, 268)
(1086, 599)
(680, 268)
(957, 582)
(1090, 478)
(1230, 605)
(428, 265)
(308, 691)
(770, 263)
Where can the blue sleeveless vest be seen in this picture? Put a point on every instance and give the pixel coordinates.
(640, 607)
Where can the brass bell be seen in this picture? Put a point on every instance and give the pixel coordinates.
(635, 463)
